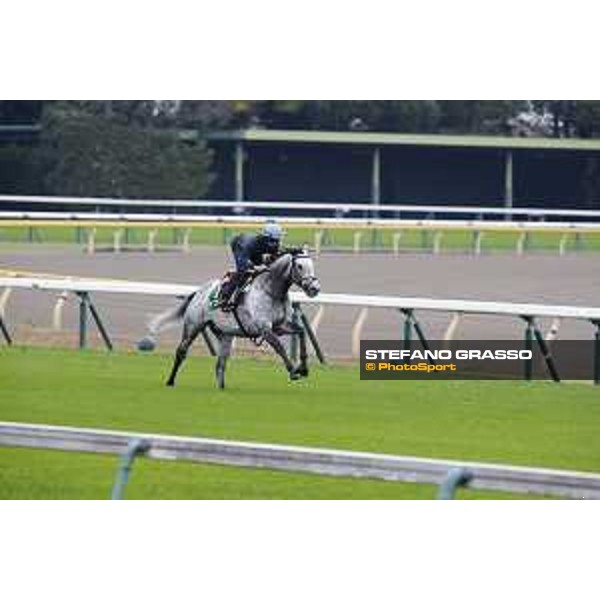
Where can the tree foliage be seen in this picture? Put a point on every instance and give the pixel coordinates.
(114, 149)
(587, 118)
(570, 118)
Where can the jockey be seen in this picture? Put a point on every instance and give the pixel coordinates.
(249, 252)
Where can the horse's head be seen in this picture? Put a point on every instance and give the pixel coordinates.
(303, 273)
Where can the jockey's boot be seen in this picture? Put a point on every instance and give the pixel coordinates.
(229, 291)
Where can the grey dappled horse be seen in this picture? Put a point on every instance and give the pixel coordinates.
(263, 313)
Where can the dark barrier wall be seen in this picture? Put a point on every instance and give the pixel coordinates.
(16, 173)
(442, 176)
(551, 179)
(296, 172)
(223, 185)
(409, 175)
(312, 173)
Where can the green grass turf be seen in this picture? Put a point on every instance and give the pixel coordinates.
(40, 474)
(536, 424)
(333, 238)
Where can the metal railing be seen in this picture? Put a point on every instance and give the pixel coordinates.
(447, 473)
(340, 209)
(431, 222)
(406, 307)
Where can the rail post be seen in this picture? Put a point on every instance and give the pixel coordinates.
(409, 322)
(91, 240)
(58, 310)
(532, 332)
(528, 346)
(135, 448)
(99, 324)
(451, 329)
(318, 241)
(477, 235)
(396, 241)
(83, 318)
(185, 245)
(357, 329)
(456, 478)
(152, 233)
(545, 349)
(562, 247)
(407, 327)
(117, 235)
(437, 241)
(356, 240)
(85, 304)
(4, 331)
(3, 328)
(521, 240)
(312, 336)
(596, 353)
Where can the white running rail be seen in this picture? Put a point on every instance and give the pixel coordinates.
(338, 208)
(570, 484)
(28, 218)
(72, 284)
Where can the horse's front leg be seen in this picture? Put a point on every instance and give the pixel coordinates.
(275, 343)
(225, 344)
(295, 329)
(302, 368)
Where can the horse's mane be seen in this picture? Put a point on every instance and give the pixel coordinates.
(294, 251)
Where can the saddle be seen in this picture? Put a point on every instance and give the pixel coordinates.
(233, 287)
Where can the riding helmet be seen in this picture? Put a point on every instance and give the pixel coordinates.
(273, 230)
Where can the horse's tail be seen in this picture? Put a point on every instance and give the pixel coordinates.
(170, 317)
(163, 321)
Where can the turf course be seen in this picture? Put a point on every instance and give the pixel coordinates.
(535, 424)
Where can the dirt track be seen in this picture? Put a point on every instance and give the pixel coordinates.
(545, 278)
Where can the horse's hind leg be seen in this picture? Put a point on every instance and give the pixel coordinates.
(189, 335)
(302, 368)
(226, 342)
(276, 344)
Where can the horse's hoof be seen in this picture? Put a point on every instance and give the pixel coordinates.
(146, 344)
(170, 384)
(302, 371)
(294, 375)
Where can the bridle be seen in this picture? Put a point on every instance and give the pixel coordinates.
(305, 281)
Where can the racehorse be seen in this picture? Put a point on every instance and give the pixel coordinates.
(263, 313)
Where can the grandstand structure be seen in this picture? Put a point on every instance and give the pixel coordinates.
(391, 168)
(257, 164)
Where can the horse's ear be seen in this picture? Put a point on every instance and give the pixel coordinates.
(304, 249)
